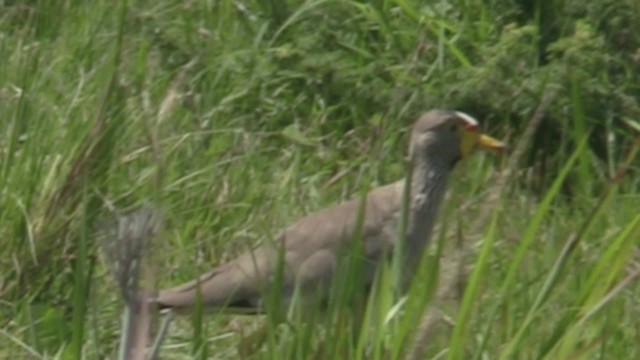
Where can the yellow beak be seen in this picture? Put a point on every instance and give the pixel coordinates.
(471, 139)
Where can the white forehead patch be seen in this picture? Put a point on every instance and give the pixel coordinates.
(472, 122)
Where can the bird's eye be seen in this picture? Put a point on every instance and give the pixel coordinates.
(453, 128)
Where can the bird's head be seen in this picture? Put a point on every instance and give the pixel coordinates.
(449, 136)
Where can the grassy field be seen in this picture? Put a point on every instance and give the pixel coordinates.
(234, 118)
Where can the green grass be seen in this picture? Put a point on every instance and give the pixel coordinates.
(234, 118)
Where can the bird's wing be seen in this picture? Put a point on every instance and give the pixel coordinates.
(234, 284)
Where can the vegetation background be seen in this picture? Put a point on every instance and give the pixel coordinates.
(236, 117)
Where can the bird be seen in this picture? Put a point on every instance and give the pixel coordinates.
(306, 255)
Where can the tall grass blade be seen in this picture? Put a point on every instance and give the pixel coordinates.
(461, 330)
(528, 237)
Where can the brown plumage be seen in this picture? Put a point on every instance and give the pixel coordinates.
(313, 246)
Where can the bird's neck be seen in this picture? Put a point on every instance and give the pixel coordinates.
(429, 178)
(428, 184)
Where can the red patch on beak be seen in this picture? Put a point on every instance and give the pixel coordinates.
(471, 127)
